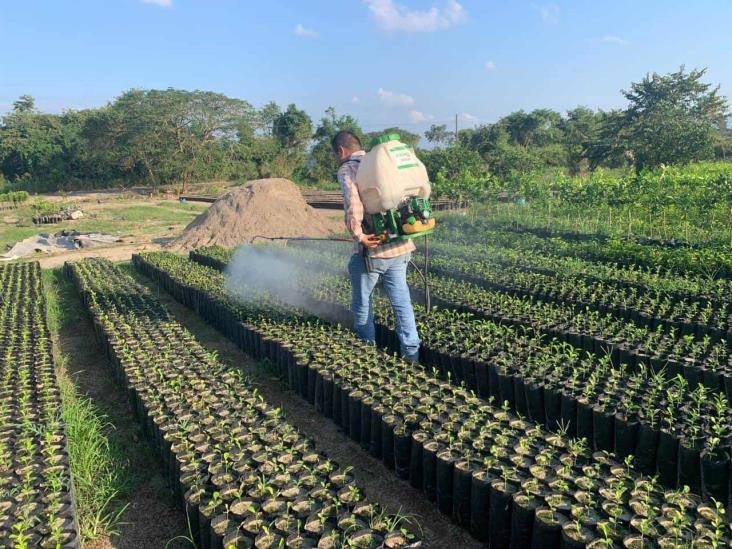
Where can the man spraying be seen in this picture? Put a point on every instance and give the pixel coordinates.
(373, 259)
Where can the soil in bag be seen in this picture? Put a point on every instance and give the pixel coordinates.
(715, 477)
(445, 464)
(625, 436)
(547, 530)
(690, 468)
(429, 469)
(645, 449)
(666, 458)
(402, 451)
(480, 504)
(499, 525)
(602, 427)
(523, 507)
(415, 459)
(461, 481)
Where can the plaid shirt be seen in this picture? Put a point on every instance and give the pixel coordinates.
(354, 212)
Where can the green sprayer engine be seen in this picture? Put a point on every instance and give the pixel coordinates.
(413, 218)
(395, 190)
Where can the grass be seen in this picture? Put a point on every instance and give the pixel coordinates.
(139, 218)
(99, 467)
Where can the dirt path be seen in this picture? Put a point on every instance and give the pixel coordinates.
(377, 481)
(151, 519)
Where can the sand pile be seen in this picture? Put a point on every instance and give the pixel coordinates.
(267, 207)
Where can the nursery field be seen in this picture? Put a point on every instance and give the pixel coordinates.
(573, 391)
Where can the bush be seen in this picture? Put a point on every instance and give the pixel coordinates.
(14, 197)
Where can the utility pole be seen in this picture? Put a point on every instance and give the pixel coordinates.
(456, 120)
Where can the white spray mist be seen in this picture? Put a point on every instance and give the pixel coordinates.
(288, 277)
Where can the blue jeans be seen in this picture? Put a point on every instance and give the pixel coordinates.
(394, 273)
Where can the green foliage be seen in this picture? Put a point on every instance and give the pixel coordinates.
(468, 187)
(579, 129)
(439, 135)
(41, 206)
(537, 128)
(150, 136)
(293, 128)
(14, 197)
(673, 118)
(100, 467)
(453, 162)
(405, 136)
(505, 160)
(32, 143)
(175, 137)
(323, 165)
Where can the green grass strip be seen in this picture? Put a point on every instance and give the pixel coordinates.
(98, 467)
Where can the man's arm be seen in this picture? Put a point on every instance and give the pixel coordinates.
(353, 206)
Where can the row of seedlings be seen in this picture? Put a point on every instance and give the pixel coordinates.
(246, 476)
(677, 286)
(704, 262)
(680, 432)
(512, 483)
(37, 507)
(650, 309)
(700, 361)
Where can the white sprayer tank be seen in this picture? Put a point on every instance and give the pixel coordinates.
(389, 173)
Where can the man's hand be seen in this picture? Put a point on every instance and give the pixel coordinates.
(369, 240)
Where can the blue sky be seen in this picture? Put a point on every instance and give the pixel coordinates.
(388, 62)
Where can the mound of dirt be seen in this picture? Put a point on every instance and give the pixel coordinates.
(266, 207)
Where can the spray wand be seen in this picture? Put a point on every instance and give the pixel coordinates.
(422, 273)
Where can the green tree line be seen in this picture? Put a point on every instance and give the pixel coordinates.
(160, 137)
(669, 119)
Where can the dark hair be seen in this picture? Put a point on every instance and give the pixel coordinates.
(346, 139)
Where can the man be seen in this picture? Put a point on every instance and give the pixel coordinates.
(372, 259)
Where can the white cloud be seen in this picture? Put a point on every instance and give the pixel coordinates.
(467, 117)
(392, 16)
(394, 99)
(612, 39)
(161, 3)
(355, 99)
(549, 13)
(490, 66)
(305, 33)
(417, 117)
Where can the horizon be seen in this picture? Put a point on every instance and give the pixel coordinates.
(417, 62)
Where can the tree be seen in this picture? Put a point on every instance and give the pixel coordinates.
(672, 118)
(453, 162)
(723, 144)
(168, 135)
(323, 164)
(439, 135)
(267, 117)
(293, 128)
(32, 145)
(25, 103)
(610, 146)
(579, 129)
(405, 136)
(537, 128)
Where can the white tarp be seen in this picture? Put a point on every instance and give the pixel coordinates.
(57, 242)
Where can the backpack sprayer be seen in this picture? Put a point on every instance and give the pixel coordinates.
(394, 187)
